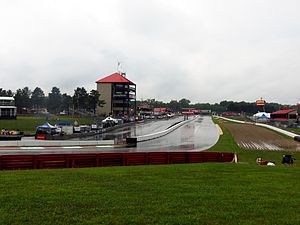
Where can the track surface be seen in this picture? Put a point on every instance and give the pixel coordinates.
(253, 137)
(198, 135)
(138, 129)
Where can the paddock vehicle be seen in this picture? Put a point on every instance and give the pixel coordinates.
(110, 119)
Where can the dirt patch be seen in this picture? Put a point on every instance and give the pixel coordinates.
(254, 137)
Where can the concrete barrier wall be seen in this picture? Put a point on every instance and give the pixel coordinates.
(285, 132)
(48, 161)
(164, 132)
(35, 143)
(232, 120)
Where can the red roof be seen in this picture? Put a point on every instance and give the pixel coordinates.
(144, 106)
(115, 78)
(279, 119)
(159, 109)
(187, 113)
(286, 111)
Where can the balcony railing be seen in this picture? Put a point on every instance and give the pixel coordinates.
(120, 105)
(7, 103)
(120, 96)
(132, 96)
(132, 88)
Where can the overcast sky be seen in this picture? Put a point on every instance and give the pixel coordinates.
(205, 51)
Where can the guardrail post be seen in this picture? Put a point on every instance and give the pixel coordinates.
(187, 157)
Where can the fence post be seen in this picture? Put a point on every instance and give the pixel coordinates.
(187, 157)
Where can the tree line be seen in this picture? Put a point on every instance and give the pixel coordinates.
(223, 106)
(83, 101)
(55, 102)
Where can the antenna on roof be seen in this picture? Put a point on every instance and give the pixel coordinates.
(120, 69)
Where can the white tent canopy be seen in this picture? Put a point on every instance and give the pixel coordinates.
(262, 115)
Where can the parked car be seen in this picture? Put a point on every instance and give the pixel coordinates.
(110, 119)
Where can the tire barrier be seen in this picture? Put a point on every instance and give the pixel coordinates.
(131, 142)
(297, 138)
(51, 161)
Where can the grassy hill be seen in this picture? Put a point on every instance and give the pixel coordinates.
(205, 193)
(167, 194)
(28, 124)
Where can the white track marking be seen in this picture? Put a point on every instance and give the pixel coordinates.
(71, 147)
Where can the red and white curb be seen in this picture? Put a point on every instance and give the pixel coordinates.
(56, 147)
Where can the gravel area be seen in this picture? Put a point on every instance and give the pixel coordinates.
(253, 137)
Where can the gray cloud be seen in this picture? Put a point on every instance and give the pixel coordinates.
(206, 51)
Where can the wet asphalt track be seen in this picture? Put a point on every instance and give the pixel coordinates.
(197, 135)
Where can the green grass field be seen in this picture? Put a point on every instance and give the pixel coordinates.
(167, 194)
(204, 193)
(28, 124)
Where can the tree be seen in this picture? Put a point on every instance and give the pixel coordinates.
(174, 105)
(184, 103)
(22, 98)
(67, 103)
(80, 98)
(9, 93)
(38, 98)
(94, 101)
(54, 100)
(155, 104)
(6, 93)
